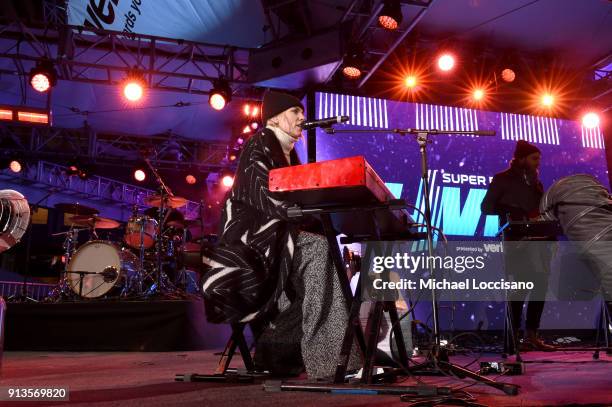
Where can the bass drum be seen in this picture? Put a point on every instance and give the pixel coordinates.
(103, 267)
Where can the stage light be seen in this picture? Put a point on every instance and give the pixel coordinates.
(590, 120)
(140, 175)
(133, 91)
(190, 179)
(134, 85)
(83, 173)
(220, 95)
(40, 82)
(478, 94)
(73, 169)
(43, 76)
(353, 62)
(548, 100)
(446, 62)
(15, 166)
(254, 125)
(246, 109)
(390, 17)
(227, 181)
(508, 75)
(351, 72)
(78, 169)
(255, 111)
(246, 130)
(240, 140)
(410, 81)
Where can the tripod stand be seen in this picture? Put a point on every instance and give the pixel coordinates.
(161, 286)
(438, 361)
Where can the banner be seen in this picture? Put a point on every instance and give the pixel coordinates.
(193, 20)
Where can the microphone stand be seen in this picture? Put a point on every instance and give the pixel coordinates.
(164, 192)
(438, 362)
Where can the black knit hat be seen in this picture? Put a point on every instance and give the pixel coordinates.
(523, 149)
(275, 103)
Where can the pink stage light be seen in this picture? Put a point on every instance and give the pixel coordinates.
(227, 181)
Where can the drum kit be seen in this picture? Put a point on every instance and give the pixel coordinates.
(148, 261)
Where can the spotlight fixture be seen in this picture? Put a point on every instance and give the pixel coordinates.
(446, 62)
(410, 81)
(133, 86)
(227, 181)
(73, 169)
(140, 175)
(548, 100)
(508, 75)
(390, 17)
(43, 76)
(220, 95)
(478, 94)
(84, 173)
(190, 179)
(353, 62)
(590, 120)
(78, 169)
(15, 166)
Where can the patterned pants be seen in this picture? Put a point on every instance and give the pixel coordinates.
(313, 316)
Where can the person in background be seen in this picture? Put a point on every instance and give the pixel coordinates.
(515, 194)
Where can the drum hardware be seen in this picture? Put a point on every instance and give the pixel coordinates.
(81, 274)
(15, 220)
(164, 200)
(187, 250)
(62, 289)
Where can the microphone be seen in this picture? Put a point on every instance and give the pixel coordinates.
(324, 122)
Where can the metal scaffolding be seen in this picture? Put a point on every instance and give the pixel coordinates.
(165, 151)
(367, 31)
(50, 176)
(106, 57)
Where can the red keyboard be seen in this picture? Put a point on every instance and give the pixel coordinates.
(346, 182)
(335, 182)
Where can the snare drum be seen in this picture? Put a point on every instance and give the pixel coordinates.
(104, 266)
(141, 229)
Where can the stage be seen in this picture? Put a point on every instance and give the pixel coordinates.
(136, 379)
(112, 325)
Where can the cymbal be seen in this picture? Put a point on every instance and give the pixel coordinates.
(95, 222)
(76, 209)
(169, 201)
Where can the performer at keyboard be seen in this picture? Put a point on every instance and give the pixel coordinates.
(514, 194)
(267, 268)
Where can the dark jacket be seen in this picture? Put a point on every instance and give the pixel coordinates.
(248, 270)
(513, 192)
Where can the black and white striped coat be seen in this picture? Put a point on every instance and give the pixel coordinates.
(249, 268)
